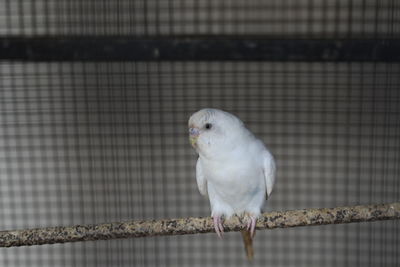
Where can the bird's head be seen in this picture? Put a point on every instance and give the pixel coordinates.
(213, 129)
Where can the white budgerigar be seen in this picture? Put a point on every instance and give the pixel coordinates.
(234, 168)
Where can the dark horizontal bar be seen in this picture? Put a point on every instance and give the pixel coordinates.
(200, 49)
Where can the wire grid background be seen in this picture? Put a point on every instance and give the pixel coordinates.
(307, 18)
(97, 142)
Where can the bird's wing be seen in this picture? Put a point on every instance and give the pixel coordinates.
(269, 171)
(201, 180)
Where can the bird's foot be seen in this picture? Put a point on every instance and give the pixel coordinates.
(251, 224)
(219, 229)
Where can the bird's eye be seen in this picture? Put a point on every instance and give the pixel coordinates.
(208, 126)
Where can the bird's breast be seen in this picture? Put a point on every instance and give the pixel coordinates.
(235, 180)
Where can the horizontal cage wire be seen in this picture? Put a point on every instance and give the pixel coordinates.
(95, 98)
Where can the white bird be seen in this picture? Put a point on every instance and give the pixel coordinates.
(234, 169)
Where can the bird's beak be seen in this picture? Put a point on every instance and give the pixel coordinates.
(193, 136)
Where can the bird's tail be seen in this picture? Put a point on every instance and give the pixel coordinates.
(248, 244)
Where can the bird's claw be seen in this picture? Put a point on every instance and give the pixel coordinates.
(251, 225)
(219, 229)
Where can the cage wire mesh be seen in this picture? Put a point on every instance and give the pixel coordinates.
(307, 18)
(85, 142)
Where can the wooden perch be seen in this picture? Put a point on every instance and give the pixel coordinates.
(269, 220)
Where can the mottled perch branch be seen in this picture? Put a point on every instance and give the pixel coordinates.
(270, 220)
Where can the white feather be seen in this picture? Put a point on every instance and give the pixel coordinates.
(269, 171)
(201, 181)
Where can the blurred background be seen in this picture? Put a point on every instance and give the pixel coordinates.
(86, 140)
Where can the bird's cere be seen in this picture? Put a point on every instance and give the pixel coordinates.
(194, 131)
